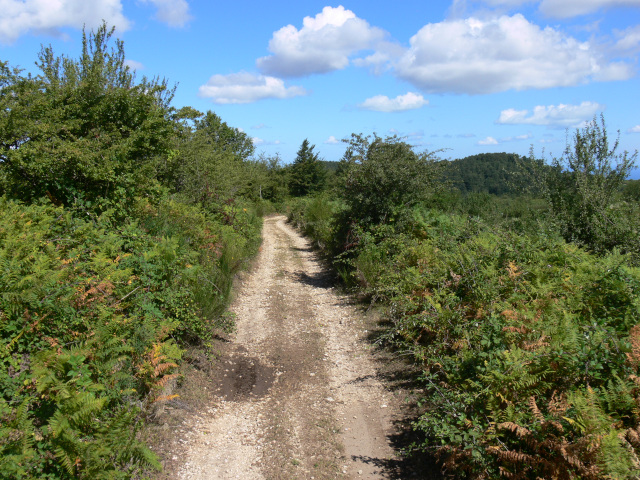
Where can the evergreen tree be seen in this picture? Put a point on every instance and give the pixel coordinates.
(307, 174)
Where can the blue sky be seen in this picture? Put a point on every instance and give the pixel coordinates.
(464, 76)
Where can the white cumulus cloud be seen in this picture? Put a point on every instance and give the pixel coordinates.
(175, 13)
(382, 103)
(635, 129)
(561, 115)
(331, 140)
(19, 17)
(245, 87)
(324, 43)
(627, 40)
(488, 141)
(477, 56)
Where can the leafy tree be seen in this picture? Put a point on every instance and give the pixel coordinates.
(211, 160)
(584, 187)
(382, 177)
(224, 137)
(271, 178)
(631, 190)
(307, 174)
(82, 129)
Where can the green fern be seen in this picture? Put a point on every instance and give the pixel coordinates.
(17, 438)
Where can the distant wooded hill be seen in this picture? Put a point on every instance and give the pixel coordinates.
(495, 173)
(329, 165)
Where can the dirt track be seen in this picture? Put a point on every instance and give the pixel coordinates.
(299, 396)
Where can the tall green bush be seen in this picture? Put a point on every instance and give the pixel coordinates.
(82, 130)
(381, 178)
(584, 189)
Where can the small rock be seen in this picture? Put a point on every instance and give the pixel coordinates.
(329, 399)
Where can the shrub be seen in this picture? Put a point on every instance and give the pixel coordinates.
(381, 178)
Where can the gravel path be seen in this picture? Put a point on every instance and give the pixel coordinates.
(299, 397)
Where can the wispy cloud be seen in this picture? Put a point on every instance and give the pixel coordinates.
(573, 8)
(564, 8)
(247, 87)
(133, 65)
(382, 103)
(488, 141)
(259, 141)
(561, 115)
(174, 13)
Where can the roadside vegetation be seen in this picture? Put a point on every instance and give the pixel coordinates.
(522, 311)
(123, 223)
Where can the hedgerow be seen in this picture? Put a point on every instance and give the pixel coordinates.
(113, 258)
(94, 318)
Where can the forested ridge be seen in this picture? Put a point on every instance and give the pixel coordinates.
(511, 284)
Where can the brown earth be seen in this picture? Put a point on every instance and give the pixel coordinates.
(297, 392)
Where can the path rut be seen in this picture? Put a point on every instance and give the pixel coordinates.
(299, 396)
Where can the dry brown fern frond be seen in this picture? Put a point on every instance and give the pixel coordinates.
(507, 474)
(633, 436)
(521, 330)
(509, 314)
(535, 410)
(634, 338)
(532, 346)
(518, 457)
(513, 270)
(521, 432)
(558, 404)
